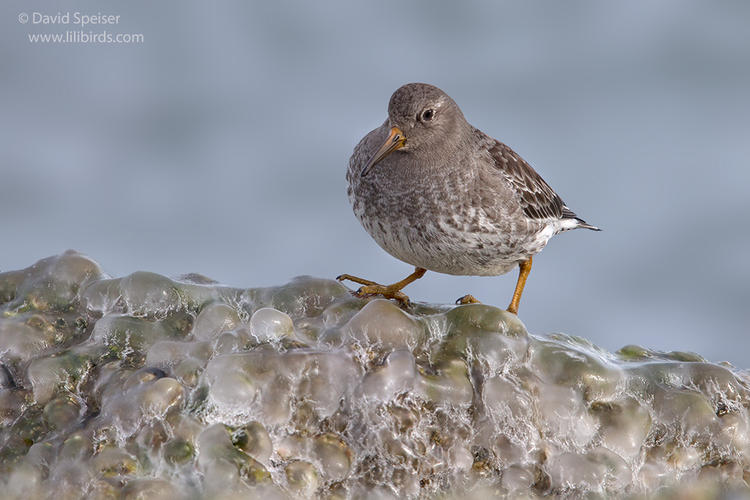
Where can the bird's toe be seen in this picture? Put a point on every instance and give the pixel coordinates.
(467, 299)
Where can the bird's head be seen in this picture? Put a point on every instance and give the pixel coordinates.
(421, 117)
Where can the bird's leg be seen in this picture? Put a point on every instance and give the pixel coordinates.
(388, 291)
(523, 273)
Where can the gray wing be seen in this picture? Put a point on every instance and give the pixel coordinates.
(536, 197)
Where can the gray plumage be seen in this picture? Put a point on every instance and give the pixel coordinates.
(451, 199)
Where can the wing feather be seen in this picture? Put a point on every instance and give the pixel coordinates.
(537, 198)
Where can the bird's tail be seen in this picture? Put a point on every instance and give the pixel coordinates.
(569, 214)
(582, 223)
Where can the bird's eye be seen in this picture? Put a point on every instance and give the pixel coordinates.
(428, 114)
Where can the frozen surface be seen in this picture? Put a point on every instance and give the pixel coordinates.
(148, 387)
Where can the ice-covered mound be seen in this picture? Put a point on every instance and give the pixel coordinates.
(147, 387)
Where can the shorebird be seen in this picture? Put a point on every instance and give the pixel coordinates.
(441, 195)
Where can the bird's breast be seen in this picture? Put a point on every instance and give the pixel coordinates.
(432, 227)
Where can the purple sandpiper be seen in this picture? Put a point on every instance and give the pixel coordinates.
(441, 195)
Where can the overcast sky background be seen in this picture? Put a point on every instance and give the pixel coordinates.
(219, 146)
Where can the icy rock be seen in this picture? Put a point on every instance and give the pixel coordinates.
(145, 386)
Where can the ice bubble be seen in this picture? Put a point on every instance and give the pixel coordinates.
(304, 296)
(302, 477)
(229, 386)
(52, 284)
(623, 426)
(114, 462)
(20, 342)
(254, 440)
(230, 342)
(220, 478)
(565, 415)
(565, 361)
(518, 480)
(167, 353)
(70, 479)
(236, 381)
(690, 410)
(62, 411)
(268, 324)
(218, 458)
(142, 377)
(161, 396)
(383, 324)
(595, 471)
(333, 455)
(398, 374)
(65, 370)
(24, 482)
(129, 337)
(215, 319)
(484, 317)
(178, 451)
(188, 371)
(449, 385)
(292, 446)
(150, 489)
(103, 297)
(76, 447)
(149, 294)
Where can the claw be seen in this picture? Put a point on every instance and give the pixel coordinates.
(467, 299)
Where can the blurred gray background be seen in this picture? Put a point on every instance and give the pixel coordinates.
(219, 146)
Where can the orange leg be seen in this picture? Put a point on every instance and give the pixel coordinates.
(524, 270)
(388, 291)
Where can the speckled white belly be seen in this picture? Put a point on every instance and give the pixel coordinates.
(445, 248)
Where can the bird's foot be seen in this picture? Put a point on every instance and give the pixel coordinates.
(372, 288)
(349, 277)
(389, 292)
(467, 299)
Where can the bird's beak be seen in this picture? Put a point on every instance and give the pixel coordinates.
(395, 141)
